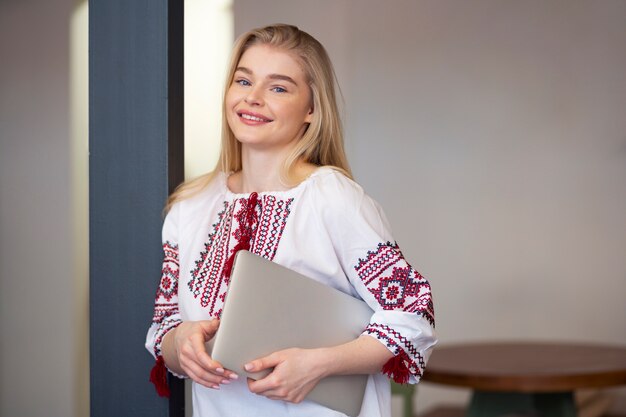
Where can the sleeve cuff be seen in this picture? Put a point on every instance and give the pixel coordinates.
(408, 364)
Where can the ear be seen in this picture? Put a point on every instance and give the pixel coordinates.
(309, 116)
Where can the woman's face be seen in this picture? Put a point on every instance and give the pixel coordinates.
(268, 104)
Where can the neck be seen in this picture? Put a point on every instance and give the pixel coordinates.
(261, 171)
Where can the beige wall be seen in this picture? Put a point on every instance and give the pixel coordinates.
(38, 298)
(492, 132)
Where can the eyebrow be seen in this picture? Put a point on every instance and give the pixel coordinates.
(271, 76)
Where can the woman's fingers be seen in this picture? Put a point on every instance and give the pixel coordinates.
(193, 357)
(209, 327)
(295, 374)
(199, 352)
(265, 362)
(202, 377)
(207, 375)
(275, 389)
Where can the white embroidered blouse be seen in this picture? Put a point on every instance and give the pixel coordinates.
(326, 228)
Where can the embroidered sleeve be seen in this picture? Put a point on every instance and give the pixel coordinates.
(166, 313)
(404, 317)
(400, 296)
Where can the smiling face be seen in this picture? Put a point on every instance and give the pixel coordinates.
(268, 104)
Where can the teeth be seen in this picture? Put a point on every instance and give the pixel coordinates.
(250, 117)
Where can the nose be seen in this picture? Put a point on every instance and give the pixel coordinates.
(254, 96)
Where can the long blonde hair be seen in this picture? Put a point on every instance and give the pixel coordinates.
(321, 143)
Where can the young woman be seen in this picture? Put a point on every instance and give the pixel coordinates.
(283, 190)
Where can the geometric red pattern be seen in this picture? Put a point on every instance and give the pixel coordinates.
(171, 321)
(394, 283)
(413, 362)
(206, 278)
(208, 282)
(168, 286)
(272, 220)
(166, 311)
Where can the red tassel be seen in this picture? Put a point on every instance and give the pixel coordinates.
(251, 209)
(397, 369)
(228, 266)
(158, 376)
(246, 234)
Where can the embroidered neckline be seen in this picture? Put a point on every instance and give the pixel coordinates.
(264, 229)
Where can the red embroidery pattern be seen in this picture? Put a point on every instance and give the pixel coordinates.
(167, 324)
(169, 273)
(271, 225)
(208, 281)
(394, 283)
(413, 361)
(166, 301)
(205, 282)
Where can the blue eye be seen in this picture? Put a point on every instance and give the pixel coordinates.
(242, 82)
(279, 90)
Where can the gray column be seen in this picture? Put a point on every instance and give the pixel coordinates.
(136, 136)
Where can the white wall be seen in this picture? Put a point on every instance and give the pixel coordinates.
(37, 296)
(492, 132)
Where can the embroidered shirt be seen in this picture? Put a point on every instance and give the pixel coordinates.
(326, 228)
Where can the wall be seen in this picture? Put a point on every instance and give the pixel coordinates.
(37, 295)
(493, 134)
(495, 144)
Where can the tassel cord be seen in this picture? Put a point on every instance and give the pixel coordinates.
(158, 376)
(246, 232)
(396, 368)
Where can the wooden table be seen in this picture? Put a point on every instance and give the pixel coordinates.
(521, 377)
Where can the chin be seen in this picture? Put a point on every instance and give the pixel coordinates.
(248, 140)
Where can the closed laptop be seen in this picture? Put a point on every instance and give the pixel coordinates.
(270, 308)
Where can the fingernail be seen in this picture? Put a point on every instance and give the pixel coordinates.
(248, 367)
(225, 381)
(219, 370)
(215, 387)
(233, 376)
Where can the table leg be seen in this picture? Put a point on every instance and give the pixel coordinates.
(406, 391)
(500, 404)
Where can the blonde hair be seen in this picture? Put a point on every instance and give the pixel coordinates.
(322, 142)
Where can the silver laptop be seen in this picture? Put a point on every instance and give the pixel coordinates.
(270, 307)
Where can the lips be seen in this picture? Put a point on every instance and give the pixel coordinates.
(253, 118)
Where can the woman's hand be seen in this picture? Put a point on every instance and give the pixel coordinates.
(295, 374)
(187, 343)
(297, 371)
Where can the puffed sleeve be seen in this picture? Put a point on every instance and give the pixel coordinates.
(400, 296)
(166, 313)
